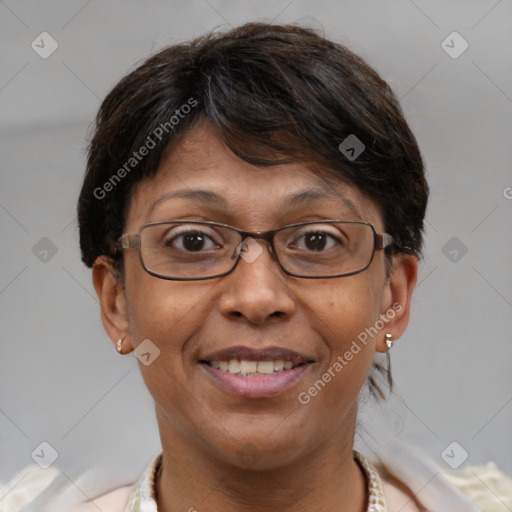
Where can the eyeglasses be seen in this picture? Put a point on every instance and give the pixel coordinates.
(184, 250)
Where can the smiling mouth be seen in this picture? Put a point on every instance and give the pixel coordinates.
(244, 361)
(250, 368)
(248, 372)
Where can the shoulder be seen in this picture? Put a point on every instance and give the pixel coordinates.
(130, 497)
(486, 485)
(113, 501)
(396, 499)
(474, 488)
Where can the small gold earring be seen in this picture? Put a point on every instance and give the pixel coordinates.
(119, 345)
(389, 340)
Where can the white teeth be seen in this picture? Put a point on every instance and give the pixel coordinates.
(234, 366)
(246, 368)
(266, 367)
(278, 365)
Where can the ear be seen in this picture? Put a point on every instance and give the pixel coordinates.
(112, 302)
(396, 298)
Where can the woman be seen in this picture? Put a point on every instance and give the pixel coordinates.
(253, 214)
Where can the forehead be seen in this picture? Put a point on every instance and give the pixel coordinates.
(202, 175)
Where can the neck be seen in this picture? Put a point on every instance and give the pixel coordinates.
(193, 480)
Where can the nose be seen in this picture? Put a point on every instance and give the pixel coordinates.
(256, 291)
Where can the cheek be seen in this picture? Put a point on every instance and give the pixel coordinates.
(161, 310)
(343, 315)
(168, 314)
(342, 309)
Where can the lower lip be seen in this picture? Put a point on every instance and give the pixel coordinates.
(256, 387)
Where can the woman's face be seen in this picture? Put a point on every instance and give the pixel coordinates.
(256, 307)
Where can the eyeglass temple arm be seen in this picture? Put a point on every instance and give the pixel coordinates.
(128, 242)
(382, 241)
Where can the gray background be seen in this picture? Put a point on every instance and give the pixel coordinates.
(60, 378)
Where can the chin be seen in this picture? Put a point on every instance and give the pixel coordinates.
(259, 449)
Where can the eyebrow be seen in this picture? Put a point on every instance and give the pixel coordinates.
(199, 195)
(312, 195)
(293, 201)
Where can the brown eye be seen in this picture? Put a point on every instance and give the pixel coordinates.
(190, 241)
(194, 241)
(315, 241)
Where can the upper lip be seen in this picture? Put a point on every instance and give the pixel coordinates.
(262, 354)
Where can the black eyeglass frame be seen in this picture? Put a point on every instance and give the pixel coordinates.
(133, 241)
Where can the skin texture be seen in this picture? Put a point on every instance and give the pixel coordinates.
(223, 452)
